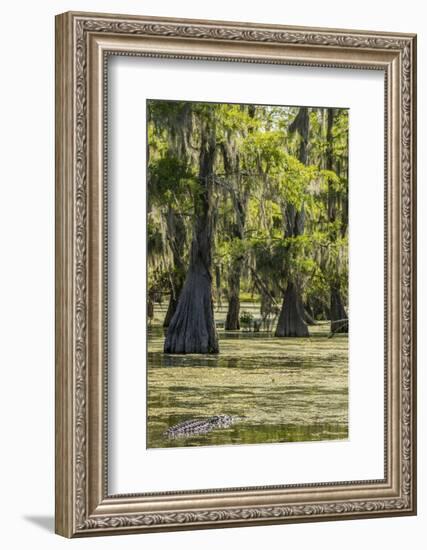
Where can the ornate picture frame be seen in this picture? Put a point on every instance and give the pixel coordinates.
(84, 42)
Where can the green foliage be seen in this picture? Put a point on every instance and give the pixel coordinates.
(172, 182)
(258, 179)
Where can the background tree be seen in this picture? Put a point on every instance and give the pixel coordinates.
(237, 122)
(338, 222)
(292, 318)
(170, 177)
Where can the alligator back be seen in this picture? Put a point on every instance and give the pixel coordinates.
(192, 427)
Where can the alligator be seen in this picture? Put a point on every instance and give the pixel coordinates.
(193, 427)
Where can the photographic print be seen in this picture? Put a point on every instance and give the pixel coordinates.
(247, 291)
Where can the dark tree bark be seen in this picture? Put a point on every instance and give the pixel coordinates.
(339, 320)
(308, 317)
(292, 315)
(192, 328)
(301, 124)
(173, 303)
(232, 321)
(318, 309)
(291, 320)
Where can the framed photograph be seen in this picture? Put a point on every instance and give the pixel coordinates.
(235, 274)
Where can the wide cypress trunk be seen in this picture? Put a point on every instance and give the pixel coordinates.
(192, 328)
(339, 320)
(291, 319)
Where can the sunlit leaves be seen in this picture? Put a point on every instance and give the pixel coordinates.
(172, 182)
(257, 181)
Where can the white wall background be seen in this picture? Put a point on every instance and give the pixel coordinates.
(27, 274)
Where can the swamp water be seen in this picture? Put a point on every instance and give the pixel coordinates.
(277, 389)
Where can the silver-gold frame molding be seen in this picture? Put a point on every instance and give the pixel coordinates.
(83, 43)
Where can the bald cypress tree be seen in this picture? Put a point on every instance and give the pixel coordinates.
(192, 327)
(338, 314)
(292, 318)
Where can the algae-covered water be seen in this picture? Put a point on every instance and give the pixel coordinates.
(277, 389)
